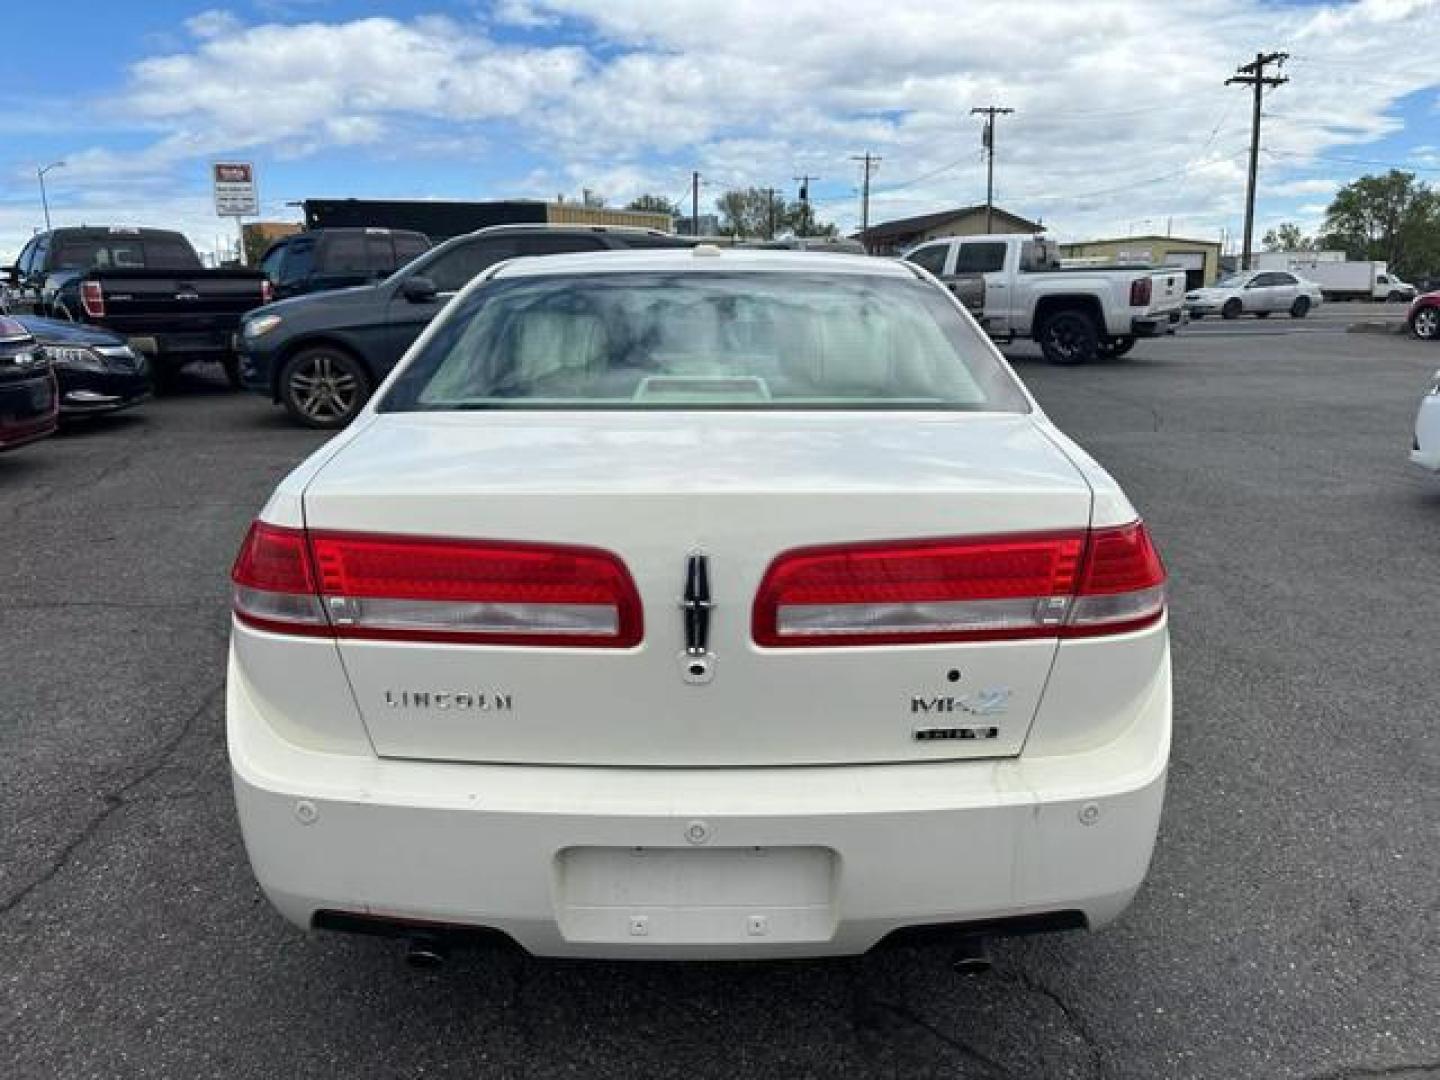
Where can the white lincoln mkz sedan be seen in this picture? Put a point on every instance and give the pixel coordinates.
(689, 603)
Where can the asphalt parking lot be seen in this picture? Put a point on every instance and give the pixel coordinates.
(1290, 926)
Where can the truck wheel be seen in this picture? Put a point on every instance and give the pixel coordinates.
(1069, 337)
(1231, 309)
(1427, 324)
(323, 387)
(1300, 307)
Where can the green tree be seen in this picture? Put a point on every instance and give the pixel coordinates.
(1392, 217)
(1287, 237)
(751, 212)
(765, 214)
(655, 204)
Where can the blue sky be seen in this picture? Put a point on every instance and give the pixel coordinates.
(1123, 120)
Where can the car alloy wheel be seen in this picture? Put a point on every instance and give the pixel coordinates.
(1300, 307)
(1232, 309)
(1427, 323)
(324, 388)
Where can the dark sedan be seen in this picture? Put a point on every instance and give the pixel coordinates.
(28, 397)
(98, 371)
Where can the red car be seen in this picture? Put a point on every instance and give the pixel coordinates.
(1424, 316)
(29, 398)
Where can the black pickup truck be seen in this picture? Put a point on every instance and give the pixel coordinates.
(147, 285)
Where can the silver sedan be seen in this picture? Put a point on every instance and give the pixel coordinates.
(1255, 292)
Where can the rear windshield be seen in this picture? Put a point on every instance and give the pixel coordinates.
(705, 340)
(153, 252)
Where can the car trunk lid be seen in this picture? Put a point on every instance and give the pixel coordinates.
(657, 490)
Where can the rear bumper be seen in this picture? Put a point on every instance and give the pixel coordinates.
(1153, 325)
(540, 853)
(198, 344)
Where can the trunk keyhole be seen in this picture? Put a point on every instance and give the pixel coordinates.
(696, 669)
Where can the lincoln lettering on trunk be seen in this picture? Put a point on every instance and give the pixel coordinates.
(449, 699)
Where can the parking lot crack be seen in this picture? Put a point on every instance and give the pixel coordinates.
(1073, 1019)
(112, 800)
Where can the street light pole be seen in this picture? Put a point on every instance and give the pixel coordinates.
(44, 202)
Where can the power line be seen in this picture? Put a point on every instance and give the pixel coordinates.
(1193, 166)
(1407, 166)
(1253, 75)
(987, 140)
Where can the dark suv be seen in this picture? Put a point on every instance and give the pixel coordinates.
(324, 259)
(322, 355)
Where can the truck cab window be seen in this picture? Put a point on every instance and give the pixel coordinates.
(169, 253)
(980, 258)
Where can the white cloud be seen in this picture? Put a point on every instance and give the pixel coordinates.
(521, 13)
(212, 24)
(1122, 112)
(1303, 187)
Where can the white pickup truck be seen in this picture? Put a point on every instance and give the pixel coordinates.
(1015, 287)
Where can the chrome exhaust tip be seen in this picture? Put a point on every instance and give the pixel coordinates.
(972, 957)
(426, 952)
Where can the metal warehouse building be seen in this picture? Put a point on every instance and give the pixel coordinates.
(1200, 259)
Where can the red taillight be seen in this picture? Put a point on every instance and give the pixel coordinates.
(981, 589)
(1140, 292)
(1122, 585)
(274, 582)
(92, 299)
(422, 589)
(267, 291)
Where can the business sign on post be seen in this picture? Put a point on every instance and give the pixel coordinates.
(235, 194)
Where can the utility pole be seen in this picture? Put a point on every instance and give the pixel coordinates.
(1253, 75)
(805, 222)
(987, 140)
(870, 161)
(770, 212)
(694, 204)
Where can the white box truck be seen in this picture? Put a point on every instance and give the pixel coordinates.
(1339, 278)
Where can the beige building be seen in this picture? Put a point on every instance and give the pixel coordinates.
(1200, 259)
(893, 237)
